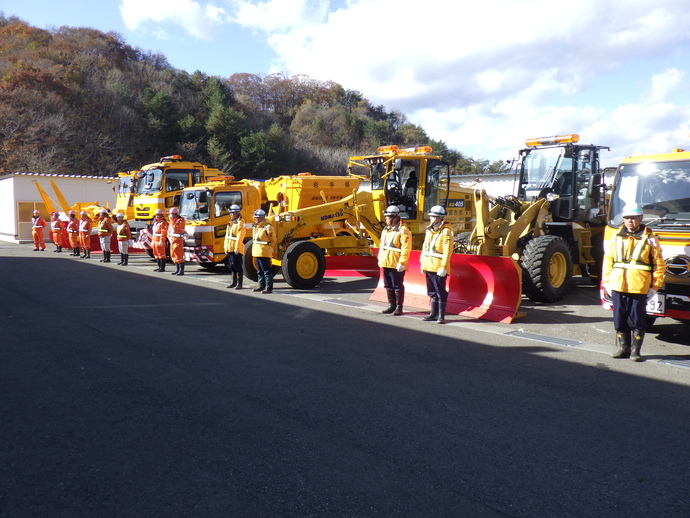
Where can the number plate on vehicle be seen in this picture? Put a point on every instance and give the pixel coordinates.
(657, 304)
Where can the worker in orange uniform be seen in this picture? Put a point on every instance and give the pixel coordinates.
(160, 238)
(176, 236)
(37, 226)
(105, 231)
(234, 245)
(56, 227)
(85, 226)
(73, 233)
(435, 262)
(123, 234)
(394, 254)
(632, 272)
(263, 245)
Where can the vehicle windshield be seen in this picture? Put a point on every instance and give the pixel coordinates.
(662, 189)
(149, 181)
(541, 167)
(194, 205)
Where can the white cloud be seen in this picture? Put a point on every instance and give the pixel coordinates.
(200, 21)
(482, 76)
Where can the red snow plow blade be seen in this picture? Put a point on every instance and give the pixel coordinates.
(484, 287)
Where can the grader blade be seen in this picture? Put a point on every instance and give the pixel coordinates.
(484, 287)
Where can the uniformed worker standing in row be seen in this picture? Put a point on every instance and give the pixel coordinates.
(176, 235)
(56, 227)
(37, 226)
(73, 233)
(105, 231)
(85, 226)
(159, 232)
(234, 245)
(123, 235)
(394, 254)
(632, 272)
(435, 262)
(263, 246)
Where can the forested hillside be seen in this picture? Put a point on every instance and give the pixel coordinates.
(80, 101)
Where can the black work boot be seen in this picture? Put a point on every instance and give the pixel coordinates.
(75, 251)
(126, 262)
(83, 256)
(441, 312)
(88, 253)
(234, 281)
(623, 341)
(637, 339)
(177, 269)
(391, 303)
(433, 314)
(107, 257)
(269, 284)
(399, 299)
(239, 281)
(181, 272)
(158, 262)
(162, 265)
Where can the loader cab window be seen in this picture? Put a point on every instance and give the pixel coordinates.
(377, 172)
(149, 181)
(222, 202)
(401, 187)
(125, 186)
(196, 176)
(544, 170)
(436, 186)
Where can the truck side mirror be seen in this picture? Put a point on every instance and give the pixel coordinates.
(176, 200)
(398, 164)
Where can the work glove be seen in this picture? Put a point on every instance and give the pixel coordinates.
(441, 272)
(606, 289)
(401, 268)
(651, 293)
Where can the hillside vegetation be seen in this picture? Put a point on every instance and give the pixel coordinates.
(80, 101)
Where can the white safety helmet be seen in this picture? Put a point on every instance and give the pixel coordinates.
(119, 215)
(84, 213)
(37, 213)
(392, 210)
(437, 210)
(259, 213)
(174, 210)
(234, 209)
(159, 212)
(632, 209)
(104, 211)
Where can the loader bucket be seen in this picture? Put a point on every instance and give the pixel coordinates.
(352, 266)
(484, 287)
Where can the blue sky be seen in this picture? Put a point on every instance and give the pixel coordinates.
(481, 76)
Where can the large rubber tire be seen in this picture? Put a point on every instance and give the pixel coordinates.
(547, 268)
(249, 264)
(304, 265)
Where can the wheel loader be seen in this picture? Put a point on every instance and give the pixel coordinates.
(554, 226)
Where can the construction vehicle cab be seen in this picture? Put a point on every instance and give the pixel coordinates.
(660, 184)
(414, 180)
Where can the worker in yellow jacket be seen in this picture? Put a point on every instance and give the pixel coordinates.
(394, 255)
(435, 262)
(234, 245)
(263, 246)
(632, 272)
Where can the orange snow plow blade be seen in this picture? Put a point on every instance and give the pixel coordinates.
(484, 287)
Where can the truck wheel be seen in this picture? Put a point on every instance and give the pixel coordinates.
(249, 264)
(303, 265)
(547, 268)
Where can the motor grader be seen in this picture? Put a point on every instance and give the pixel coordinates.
(554, 226)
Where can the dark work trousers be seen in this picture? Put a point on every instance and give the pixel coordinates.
(436, 286)
(393, 279)
(235, 262)
(632, 306)
(263, 269)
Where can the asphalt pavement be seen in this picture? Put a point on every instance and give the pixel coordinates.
(127, 392)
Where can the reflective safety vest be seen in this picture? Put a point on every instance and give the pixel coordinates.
(634, 262)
